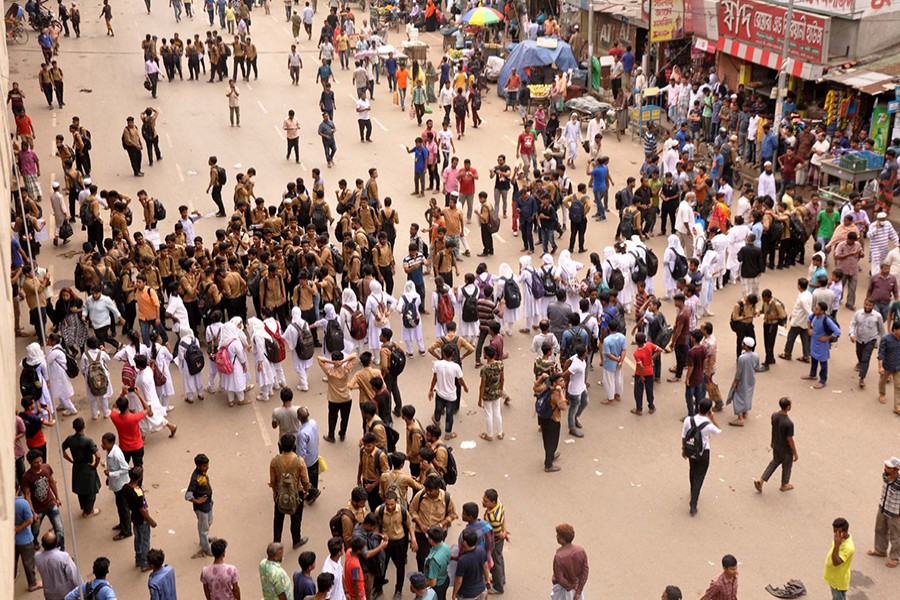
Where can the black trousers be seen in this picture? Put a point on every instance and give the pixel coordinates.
(422, 552)
(550, 437)
(388, 278)
(239, 61)
(154, 82)
(217, 199)
(335, 408)
(391, 382)
(577, 229)
(793, 332)
(296, 522)
(47, 88)
(86, 502)
(770, 333)
(293, 144)
(487, 239)
(95, 236)
(785, 461)
(396, 552)
(123, 512)
(668, 210)
(681, 351)
(251, 65)
(698, 469)
(135, 456)
(83, 163)
(365, 129)
(482, 336)
(743, 330)
(313, 472)
(152, 145)
(134, 156)
(526, 227)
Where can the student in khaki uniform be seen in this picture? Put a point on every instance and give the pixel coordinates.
(373, 462)
(396, 525)
(415, 437)
(431, 507)
(36, 299)
(397, 482)
(289, 462)
(774, 314)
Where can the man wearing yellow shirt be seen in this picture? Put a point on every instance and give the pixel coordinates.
(839, 560)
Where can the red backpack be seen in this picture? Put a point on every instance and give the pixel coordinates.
(275, 351)
(223, 362)
(445, 310)
(359, 326)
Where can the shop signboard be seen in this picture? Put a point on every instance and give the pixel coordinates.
(762, 25)
(846, 9)
(666, 20)
(893, 107)
(880, 129)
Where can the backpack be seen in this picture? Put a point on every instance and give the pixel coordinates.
(410, 314)
(512, 295)
(452, 473)
(445, 311)
(91, 589)
(319, 219)
(29, 381)
(287, 493)
(71, 365)
(107, 286)
(147, 130)
(537, 285)
(334, 336)
(159, 376)
(393, 436)
(736, 325)
(86, 140)
(404, 514)
(469, 307)
(680, 268)
(80, 283)
(620, 199)
(692, 443)
(569, 350)
(640, 268)
(193, 357)
(337, 260)
(494, 222)
(223, 362)
(616, 279)
(542, 405)
(549, 281)
(382, 314)
(576, 210)
(159, 210)
(776, 229)
(476, 101)
(832, 330)
(305, 347)
(97, 379)
(626, 224)
(129, 375)
(359, 327)
(336, 525)
(221, 176)
(798, 231)
(652, 262)
(275, 351)
(454, 343)
(459, 105)
(618, 318)
(86, 214)
(397, 361)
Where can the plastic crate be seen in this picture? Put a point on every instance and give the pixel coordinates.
(873, 160)
(854, 163)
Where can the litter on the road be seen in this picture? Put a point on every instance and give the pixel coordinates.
(467, 445)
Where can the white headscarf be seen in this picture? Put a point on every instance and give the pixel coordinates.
(525, 262)
(547, 260)
(375, 289)
(348, 299)
(297, 317)
(330, 314)
(409, 291)
(505, 271)
(34, 355)
(675, 244)
(256, 328)
(230, 330)
(568, 266)
(186, 335)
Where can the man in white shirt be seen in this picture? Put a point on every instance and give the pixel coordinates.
(447, 373)
(798, 322)
(544, 336)
(706, 420)
(726, 189)
(743, 208)
(684, 218)
(766, 185)
(595, 126)
(308, 20)
(445, 144)
(362, 117)
(576, 390)
(446, 99)
(116, 478)
(333, 565)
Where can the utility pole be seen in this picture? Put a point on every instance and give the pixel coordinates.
(782, 74)
(590, 34)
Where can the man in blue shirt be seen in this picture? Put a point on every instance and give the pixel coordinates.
(573, 336)
(527, 206)
(308, 450)
(162, 577)
(25, 540)
(304, 585)
(769, 144)
(390, 65)
(420, 154)
(682, 136)
(100, 586)
(613, 361)
(600, 184)
(627, 68)
(718, 163)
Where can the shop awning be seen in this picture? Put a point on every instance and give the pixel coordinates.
(771, 60)
(874, 75)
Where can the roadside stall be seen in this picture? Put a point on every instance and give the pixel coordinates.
(537, 64)
(852, 171)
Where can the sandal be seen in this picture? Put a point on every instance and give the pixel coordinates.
(174, 429)
(486, 437)
(500, 436)
(450, 436)
(876, 553)
(736, 423)
(120, 536)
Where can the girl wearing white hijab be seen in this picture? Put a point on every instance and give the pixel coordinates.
(674, 249)
(349, 305)
(212, 343)
(274, 327)
(232, 339)
(192, 384)
(719, 243)
(60, 386)
(467, 329)
(568, 274)
(154, 419)
(95, 352)
(161, 356)
(737, 238)
(708, 266)
(626, 263)
(34, 357)
(637, 245)
(699, 240)
(126, 354)
(547, 270)
(531, 306)
(291, 336)
(379, 306)
(265, 371)
(510, 315)
(411, 301)
(441, 290)
(347, 343)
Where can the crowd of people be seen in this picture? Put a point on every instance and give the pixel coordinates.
(311, 282)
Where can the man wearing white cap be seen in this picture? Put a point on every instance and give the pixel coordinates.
(887, 523)
(882, 236)
(766, 185)
(742, 388)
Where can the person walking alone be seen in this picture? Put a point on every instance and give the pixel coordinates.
(131, 141)
(706, 423)
(291, 128)
(889, 365)
(234, 103)
(866, 328)
(784, 451)
(887, 522)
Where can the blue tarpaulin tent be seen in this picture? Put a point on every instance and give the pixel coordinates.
(529, 54)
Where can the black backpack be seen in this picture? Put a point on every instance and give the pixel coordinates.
(550, 285)
(459, 105)
(86, 214)
(30, 385)
(626, 224)
(159, 210)
(397, 361)
(193, 357)
(319, 218)
(512, 295)
(306, 347)
(107, 286)
(452, 473)
(692, 443)
(576, 210)
(337, 260)
(469, 307)
(542, 405)
(640, 271)
(680, 268)
(72, 369)
(410, 314)
(454, 343)
(221, 176)
(798, 231)
(91, 589)
(652, 262)
(616, 279)
(147, 130)
(776, 229)
(334, 336)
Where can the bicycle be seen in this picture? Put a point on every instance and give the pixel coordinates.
(18, 34)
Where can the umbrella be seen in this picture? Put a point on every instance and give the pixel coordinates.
(364, 53)
(482, 16)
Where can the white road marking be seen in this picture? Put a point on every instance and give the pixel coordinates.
(500, 237)
(278, 131)
(263, 108)
(377, 122)
(261, 422)
(53, 121)
(180, 173)
(249, 87)
(169, 141)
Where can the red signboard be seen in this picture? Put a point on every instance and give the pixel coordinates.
(762, 25)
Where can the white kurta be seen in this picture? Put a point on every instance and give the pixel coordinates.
(144, 383)
(97, 401)
(163, 361)
(374, 337)
(265, 371)
(531, 306)
(60, 386)
(440, 329)
(192, 384)
(412, 336)
(291, 336)
(466, 329)
(510, 315)
(237, 380)
(351, 345)
(667, 266)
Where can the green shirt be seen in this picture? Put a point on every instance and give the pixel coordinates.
(418, 95)
(274, 580)
(436, 563)
(707, 107)
(492, 374)
(828, 223)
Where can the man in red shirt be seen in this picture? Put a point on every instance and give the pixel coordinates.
(525, 148)
(643, 373)
(789, 162)
(127, 425)
(467, 178)
(354, 578)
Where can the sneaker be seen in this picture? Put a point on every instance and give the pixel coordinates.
(552, 469)
(302, 541)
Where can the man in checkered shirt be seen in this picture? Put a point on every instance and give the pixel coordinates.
(887, 523)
